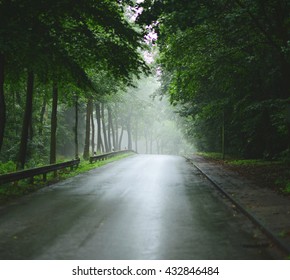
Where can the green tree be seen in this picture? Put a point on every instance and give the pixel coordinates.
(64, 44)
(227, 64)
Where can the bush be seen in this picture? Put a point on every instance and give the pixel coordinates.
(7, 167)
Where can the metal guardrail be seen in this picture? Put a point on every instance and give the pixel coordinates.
(108, 155)
(30, 173)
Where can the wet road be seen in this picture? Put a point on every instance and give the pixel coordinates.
(142, 207)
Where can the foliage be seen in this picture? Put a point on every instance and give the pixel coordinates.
(89, 49)
(7, 167)
(226, 64)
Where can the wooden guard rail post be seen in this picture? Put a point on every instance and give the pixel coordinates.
(108, 155)
(30, 173)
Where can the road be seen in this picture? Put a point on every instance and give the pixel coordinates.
(141, 207)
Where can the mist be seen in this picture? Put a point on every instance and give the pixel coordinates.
(137, 118)
(154, 123)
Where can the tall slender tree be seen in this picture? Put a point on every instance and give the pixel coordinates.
(27, 119)
(100, 146)
(93, 131)
(76, 128)
(53, 132)
(89, 109)
(104, 127)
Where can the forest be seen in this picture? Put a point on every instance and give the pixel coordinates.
(74, 82)
(226, 67)
(75, 79)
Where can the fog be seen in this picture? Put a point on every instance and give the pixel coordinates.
(154, 125)
(137, 118)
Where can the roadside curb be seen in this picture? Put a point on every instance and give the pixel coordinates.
(285, 248)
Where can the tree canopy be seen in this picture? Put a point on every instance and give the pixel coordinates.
(227, 66)
(68, 47)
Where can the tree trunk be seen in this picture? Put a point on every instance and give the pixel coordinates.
(26, 122)
(93, 130)
(2, 101)
(42, 112)
(53, 123)
(99, 135)
(76, 128)
(129, 134)
(117, 134)
(110, 120)
(104, 127)
(86, 154)
(30, 131)
(15, 129)
(109, 131)
(121, 138)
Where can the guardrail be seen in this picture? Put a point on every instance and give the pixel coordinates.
(108, 155)
(30, 173)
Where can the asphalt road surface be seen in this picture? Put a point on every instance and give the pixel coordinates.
(142, 207)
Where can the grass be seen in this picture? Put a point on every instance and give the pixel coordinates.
(85, 166)
(252, 162)
(210, 155)
(237, 161)
(23, 187)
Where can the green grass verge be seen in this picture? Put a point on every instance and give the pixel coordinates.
(210, 155)
(237, 161)
(13, 190)
(85, 166)
(252, 162)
